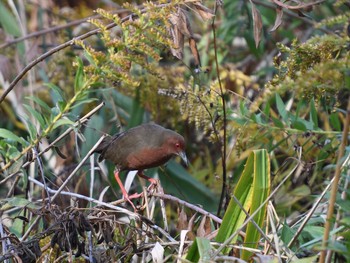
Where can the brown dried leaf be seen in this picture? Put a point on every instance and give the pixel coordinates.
(278, 21)
(178, 40)
(204, 12)
(179, 29)
(195, 52)
(180, 20)
(204, 228)
(182, 222)
(257, 22)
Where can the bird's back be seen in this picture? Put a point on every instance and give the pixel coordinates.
(133, 143)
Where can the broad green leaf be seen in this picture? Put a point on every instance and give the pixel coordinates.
(199, 251)
(281, 109)
(287, 233)
(298, 125)
(138, 111)
(177, 181)
(6, 134)
(334, 119)
(251, 190)
(193, 253)
(260, 192)
(277, 122)
(16, 202)
(306, 260)
(8, 21)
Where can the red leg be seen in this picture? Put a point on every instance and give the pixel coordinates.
(149, 179)
(125, 194)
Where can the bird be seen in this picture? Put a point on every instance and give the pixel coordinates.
(139, 148)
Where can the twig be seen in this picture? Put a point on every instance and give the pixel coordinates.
(296, 7)
(191, 206)
(89, 199)
(334, 189)
(224, 189)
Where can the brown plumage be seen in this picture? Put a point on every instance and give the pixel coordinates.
(141, 147)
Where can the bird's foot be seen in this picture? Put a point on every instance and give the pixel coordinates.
(154, 184)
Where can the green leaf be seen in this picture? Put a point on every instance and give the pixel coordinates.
(193, 253)
(6, 134)
(31, 129)
(199, 251)
(36, 115)
(137, 112)
(260, 192)
(335, 122)
(313, 114)
(299, 125)
(277, 122)
(175, 179)
(8, 21)
(57, 94)
(39, 102)
(267, 111)
(17, 202)
(281, 109)
(79, 77)
(63, 121)
(251, 191)
(287, 233)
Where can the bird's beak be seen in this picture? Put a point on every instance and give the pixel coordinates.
(183, 157)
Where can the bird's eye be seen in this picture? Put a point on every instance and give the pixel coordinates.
(177, 145)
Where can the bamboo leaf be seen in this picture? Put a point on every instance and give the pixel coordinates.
(251, 191)
(260, 192)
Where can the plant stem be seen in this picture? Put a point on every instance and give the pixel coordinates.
(334, 189)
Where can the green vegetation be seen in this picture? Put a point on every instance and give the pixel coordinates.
(260, 91)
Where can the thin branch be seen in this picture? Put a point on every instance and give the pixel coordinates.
(299, 6)
(191, 206)
(334, 189)
(224, 189)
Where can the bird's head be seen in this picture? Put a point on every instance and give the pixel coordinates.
(176, 145)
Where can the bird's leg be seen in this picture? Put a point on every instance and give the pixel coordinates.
(153, 181)
(125, 194)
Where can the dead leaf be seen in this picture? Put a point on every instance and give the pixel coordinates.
(182, 222)
(195, 52)
(278, 21)
(204, 12)
(257, 23)
(204, 228)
